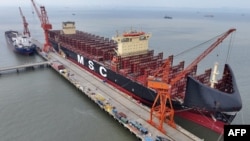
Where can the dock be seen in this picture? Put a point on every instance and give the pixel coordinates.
(115, 103)
(23, 66)
(99, 91)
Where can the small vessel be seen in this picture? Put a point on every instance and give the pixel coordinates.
(19, 42)
(209, 16)
(126, 62)
(168, 17)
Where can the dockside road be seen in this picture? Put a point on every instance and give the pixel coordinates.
(135, 111)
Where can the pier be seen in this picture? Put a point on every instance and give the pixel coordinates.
(19, 67)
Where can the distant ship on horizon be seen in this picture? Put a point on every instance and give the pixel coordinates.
(168, 17)
(209, 16)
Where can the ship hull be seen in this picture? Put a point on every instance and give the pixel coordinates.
(133, 88)
(28, 50)
(138, 91)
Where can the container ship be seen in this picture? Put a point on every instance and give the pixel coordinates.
(19, 42)
(126, 62)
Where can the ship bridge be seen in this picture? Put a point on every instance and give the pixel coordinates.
(131, 43)
(68, 27)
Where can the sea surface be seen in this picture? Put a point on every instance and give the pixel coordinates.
(39, 105)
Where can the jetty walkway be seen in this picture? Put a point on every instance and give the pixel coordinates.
(28, 65)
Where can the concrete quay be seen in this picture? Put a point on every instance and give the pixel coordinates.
(97, 90)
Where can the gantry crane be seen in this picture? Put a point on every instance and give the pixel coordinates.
(44, 24)
(160, 82)
(25, 24)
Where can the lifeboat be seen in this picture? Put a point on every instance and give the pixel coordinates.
(133, 33)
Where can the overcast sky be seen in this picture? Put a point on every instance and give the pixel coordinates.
(136, 3)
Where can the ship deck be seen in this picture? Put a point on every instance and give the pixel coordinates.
(95, 88)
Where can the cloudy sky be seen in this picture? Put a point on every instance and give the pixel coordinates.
(136, 3)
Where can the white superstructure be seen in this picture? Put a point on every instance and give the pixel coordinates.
(131, 42)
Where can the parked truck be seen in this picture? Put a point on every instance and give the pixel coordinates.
(57, 65)
(138, 126)
(120, 115)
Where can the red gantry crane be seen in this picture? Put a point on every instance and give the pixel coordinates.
(25, 24)
(161, 83)
(44, 24)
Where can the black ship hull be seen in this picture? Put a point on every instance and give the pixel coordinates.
(138, 91)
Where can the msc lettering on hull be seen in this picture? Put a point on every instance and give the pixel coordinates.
(92, 65)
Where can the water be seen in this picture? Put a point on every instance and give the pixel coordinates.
(40, 105)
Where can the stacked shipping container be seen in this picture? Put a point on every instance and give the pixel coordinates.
(136, 67)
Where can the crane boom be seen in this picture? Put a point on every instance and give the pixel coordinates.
(163, 87)
(37, 11)
(25, 24)
(202, 56)
(44, 24)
